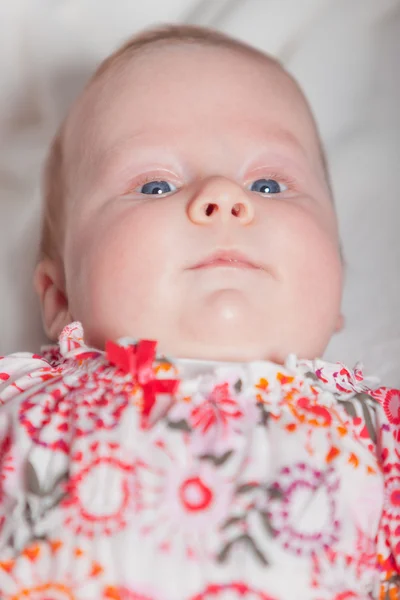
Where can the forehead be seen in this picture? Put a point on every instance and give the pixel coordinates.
(188, 93)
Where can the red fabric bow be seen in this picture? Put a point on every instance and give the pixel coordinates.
(138, 360)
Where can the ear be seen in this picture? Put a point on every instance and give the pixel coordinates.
(49, 285)
(340, 323)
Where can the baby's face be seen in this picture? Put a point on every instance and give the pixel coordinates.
(199, 214)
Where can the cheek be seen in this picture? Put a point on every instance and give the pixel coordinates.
(115, 267)
(311, 261)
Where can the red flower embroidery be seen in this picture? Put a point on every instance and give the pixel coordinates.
(94, 400)
(389, 399)
(218, 408)
(99, 493)
(392, 505)
(391, 405)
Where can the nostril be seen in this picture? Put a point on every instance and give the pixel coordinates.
(236, 210)
(210, 209)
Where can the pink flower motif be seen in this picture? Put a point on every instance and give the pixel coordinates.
(314, 532)
(217, 409)
(391, 405)
(390, 521)
(389, 399)
(218, 412)
(392, 500)
(179, 500)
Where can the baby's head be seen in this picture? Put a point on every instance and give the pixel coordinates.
(187, 201)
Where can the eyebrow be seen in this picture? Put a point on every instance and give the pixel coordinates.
(112, 159)
(284, 137)
(109, 160)
(290, 140)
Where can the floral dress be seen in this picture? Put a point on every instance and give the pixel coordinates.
(128, 476)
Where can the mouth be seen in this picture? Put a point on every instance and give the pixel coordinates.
(227, 259)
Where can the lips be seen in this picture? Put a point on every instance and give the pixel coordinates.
(232, 259)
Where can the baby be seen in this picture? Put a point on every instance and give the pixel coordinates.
(187, 201)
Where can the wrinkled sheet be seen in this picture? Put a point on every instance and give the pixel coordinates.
(345, 53)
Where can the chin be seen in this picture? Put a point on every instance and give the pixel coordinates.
(228, 326)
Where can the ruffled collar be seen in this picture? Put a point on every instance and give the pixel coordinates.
(333, 377)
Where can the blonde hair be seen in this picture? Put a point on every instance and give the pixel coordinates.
(54, 184)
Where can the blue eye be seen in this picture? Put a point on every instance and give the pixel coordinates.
(156, 188)
(267, 186)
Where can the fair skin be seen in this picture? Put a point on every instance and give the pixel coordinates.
(233, 143)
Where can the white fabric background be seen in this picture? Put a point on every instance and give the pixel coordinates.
(345, 53)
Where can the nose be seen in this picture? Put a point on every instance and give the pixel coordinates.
(220, 199)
